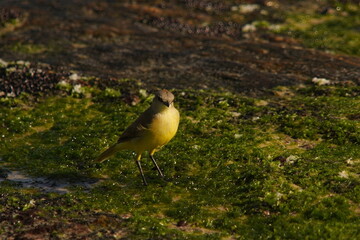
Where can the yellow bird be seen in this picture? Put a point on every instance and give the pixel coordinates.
(153, 129)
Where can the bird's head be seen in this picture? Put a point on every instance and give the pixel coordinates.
(164, 97)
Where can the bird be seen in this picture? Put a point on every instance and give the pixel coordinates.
(149, 132)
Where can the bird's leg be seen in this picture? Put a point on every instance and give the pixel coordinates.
(138, 157)
(157, 167)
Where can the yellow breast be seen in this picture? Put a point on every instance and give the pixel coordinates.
(164, 127)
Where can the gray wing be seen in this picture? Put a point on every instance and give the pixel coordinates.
(139, 127)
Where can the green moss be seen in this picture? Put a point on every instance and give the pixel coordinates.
(236, 168)
(10, 25)
(336, 32)
(28, 48)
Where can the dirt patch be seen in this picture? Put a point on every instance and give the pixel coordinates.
(43, 184)
(28, 220)
(177, 44)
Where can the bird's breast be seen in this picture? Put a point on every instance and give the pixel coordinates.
(164, 126)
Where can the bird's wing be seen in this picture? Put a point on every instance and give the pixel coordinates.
(139, 127)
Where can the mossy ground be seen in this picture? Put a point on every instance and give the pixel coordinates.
(336, 29)
(285, 166)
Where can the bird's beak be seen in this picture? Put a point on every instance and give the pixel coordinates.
(167, 104)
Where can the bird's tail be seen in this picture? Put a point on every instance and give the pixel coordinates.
(109, 152)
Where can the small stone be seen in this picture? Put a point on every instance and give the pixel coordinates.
(196, 147)
(12, 94)
(3, 63)
(21, 62)
(350, 161)
(291, 159)
(235, 114)
(63, 83)
(143, 93)
(321, 81)
(261, 103)
(248, 28)
(74, 77)
(344, 174)
(237, 136)
(77, 89)
(248, 8)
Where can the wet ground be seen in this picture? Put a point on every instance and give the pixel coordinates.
(43, 184)
(173, 44)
